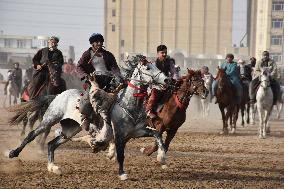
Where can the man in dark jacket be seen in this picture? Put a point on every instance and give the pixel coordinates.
(104, 64)
(43, 57)
(167, 66)
(17, 73)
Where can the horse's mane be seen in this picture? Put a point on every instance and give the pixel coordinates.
(131, 63)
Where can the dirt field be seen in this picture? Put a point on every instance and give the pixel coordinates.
(198, 158)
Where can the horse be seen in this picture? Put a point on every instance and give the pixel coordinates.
(225, 98)
(280, 102)
(127, 116)
(173, 113)
(205, 102)
(264, 102)
(55, 85)
(245, 103)
(12, 90)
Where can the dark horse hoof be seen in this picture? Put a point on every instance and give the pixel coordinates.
(13, 153)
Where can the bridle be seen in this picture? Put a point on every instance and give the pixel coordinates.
(191, 89)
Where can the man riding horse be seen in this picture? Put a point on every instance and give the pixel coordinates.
(245, 72)
(167, 66)
(266, 61)
(232, 71)
(104, 64)
(206, 75)
(41, 60)
(17, 73)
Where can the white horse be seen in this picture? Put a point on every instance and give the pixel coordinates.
(208, 79)
(280, 103)
(127, 116)
(264, 103)
(12, 90)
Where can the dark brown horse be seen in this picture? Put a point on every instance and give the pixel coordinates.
(52, 85)
(245, 104)
(226, 101)
(173, 113)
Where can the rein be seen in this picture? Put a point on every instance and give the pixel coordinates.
(139, 95)
(179, 101)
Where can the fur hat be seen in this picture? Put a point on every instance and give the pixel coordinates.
(95, 37)
(54, 38)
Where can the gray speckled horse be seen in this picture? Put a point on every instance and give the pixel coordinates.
(127, 117)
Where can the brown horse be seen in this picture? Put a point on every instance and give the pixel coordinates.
(173, 113)
(225, 99)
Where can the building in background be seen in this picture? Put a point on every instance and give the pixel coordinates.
(15, 48)
(269, 15)
(187, 27)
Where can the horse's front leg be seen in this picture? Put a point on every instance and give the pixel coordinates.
(170, 135)
(261, 122)
(248, 112)
(120, 147)
(148, 150)
(225, 121)
(235, 114)
(243, 115)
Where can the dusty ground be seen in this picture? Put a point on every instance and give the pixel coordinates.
(198, 158)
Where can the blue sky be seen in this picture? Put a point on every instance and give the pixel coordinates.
(74, 21)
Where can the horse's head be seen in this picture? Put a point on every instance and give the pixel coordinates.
(222, 79)
(55, 71)
(195, 83)
(207, 81)
(147, 73)
(264, 78)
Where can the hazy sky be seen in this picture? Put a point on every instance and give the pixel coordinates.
(74, 20)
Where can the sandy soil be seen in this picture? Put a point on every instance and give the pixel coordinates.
(198, 158)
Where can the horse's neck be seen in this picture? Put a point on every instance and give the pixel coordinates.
(181, 94)
(128, 98)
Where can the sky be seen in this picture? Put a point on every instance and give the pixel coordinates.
(72, 20)
(75, 20)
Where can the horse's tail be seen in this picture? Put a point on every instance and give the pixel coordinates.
(38, 105)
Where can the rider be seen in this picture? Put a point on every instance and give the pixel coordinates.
(233, 74)
(167, 66)
(206, 74)
(41, 59)
(96, 58)
(266, 61)
(245, 71)
(17, 73)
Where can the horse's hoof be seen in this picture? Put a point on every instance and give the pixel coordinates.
(13, 153)
(142, 150)
(224, 132)
(164, 166)
(123, 176)
(233, 131)
(161, 157)
(54, 169)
